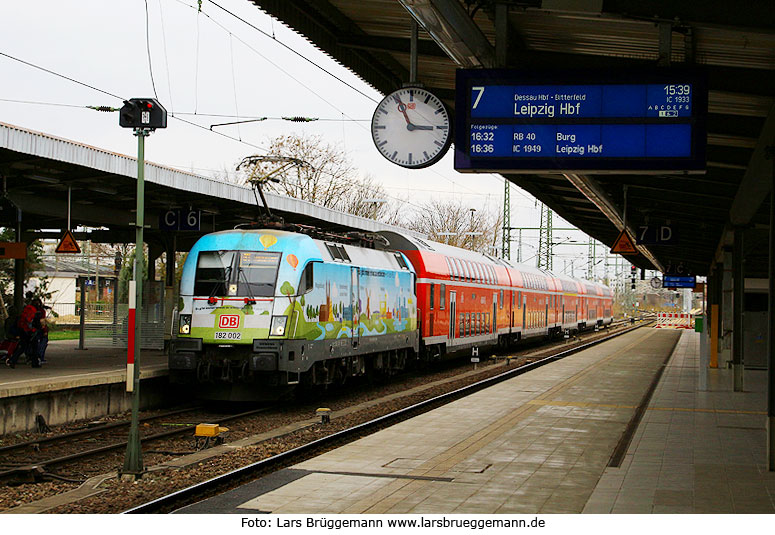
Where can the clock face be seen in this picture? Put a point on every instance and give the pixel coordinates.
(411, 128)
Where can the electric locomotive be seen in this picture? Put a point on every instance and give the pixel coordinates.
(262, 311)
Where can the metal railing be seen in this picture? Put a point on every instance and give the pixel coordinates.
(106, 325)
(70, 313)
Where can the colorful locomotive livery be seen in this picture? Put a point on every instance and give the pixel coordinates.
(265, 310)
(262, 310)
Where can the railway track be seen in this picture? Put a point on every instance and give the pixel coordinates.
(255, 470)
(28, 461)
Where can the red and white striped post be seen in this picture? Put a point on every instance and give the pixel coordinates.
(130, 355)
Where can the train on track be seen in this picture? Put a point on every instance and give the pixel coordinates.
(263, 311)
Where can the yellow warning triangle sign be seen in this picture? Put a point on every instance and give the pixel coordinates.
(624, 245)
(68, 244)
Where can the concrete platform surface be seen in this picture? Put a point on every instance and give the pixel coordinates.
(67, 367)
(538, 443)
(695, 451)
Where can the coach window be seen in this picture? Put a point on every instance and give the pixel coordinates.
(307, 283)
(500, 301)
(462, 329)
(442, 296)
(519, 299)
(433, 288)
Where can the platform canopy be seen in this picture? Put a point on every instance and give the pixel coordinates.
(733, 42)
(37, 171)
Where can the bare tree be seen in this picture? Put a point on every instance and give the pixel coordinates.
(453, 223)
(328, 177)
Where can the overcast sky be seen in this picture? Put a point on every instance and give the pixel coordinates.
(211, 63)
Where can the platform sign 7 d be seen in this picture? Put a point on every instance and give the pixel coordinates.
(656, 235)
(180, 220)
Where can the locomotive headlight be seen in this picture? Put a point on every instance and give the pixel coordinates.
(185, 324)
(277, 327)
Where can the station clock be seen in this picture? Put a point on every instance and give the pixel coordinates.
(411, 128)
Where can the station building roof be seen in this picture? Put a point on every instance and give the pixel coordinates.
(37, 169)
(733, 42)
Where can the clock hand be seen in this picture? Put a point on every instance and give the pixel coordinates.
(402, 109)
(420, 127)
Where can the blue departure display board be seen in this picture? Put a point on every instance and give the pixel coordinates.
(511, 121)
(677, 281)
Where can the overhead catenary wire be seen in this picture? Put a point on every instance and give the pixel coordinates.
(191, 123)
(233, 83)
(148, 50)
(60, 104)
(219, 115)
(294, 78)
(196, 60)
(274, 64)
(273, 38)
(239, 139)
(166, 60)
(49, 71)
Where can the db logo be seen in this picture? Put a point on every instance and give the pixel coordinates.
(411, 105)
(228, 321)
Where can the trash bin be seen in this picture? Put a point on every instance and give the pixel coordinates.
(698, 324)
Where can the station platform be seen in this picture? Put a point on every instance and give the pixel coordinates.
(73, 384)
(563, 438)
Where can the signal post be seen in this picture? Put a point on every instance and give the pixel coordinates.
(144, 115)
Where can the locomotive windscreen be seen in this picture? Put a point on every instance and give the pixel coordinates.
(238, 273)
(257, 273)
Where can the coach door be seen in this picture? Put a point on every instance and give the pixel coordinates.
(495, 313)
(524, 311)
(355, 309)
(452, 314)
(546, 310)
(563, 321)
